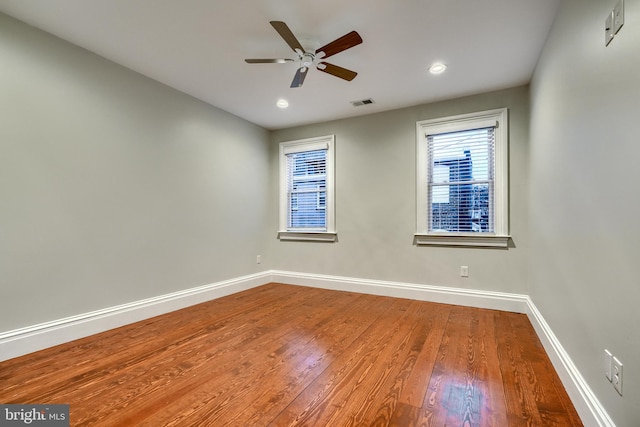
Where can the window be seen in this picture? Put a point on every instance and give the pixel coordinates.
(306, 189)
(462, 173)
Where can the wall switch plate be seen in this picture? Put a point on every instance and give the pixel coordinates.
(608, 29)
(616, 375)
(608, 360)
(258, 259)
(464, 271)
(618, 16)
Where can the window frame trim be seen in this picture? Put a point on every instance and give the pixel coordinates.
(301, 145)
(500, 237)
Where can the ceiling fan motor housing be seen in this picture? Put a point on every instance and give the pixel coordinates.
(307, 59)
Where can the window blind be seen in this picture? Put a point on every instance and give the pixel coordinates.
(307, 190)
(461, 181)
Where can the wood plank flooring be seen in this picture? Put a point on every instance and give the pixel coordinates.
(282, 355)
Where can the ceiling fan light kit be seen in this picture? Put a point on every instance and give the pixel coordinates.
(308, 59)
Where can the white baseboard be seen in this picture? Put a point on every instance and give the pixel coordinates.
(472, 298)
(591, 411)
(33, 338)
(26, 340)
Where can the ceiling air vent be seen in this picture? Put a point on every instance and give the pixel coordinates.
(362, 102)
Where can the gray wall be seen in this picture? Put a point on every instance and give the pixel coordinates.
(375, 202)
(584, 195)
(114, 188)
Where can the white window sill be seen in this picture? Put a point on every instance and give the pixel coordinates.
(468, 240)
(308, 236)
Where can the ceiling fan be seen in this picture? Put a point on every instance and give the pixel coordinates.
(308, 58)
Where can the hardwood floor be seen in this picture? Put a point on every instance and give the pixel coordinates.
(282, 355)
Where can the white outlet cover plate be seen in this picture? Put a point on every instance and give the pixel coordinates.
(618, 16)
(616, 374)
(608, 360)
(608, 29)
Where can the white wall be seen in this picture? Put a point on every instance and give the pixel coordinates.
(114, 188)
(584, 203)
(376, 196)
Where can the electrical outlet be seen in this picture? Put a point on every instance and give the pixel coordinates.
(607, 364)
(618, 16)
(616, 375)
(464, 271)
(258, 259)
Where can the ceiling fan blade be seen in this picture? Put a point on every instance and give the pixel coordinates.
(268, 61)
(334, 70)
(298, 79)
(287, 35)
(343, 43)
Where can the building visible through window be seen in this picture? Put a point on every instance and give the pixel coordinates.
(307, 190)
(462, 180)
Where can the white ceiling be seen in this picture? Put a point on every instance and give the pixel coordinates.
(199, 46)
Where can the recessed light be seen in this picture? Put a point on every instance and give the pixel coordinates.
(437, 68)
(282, 103)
